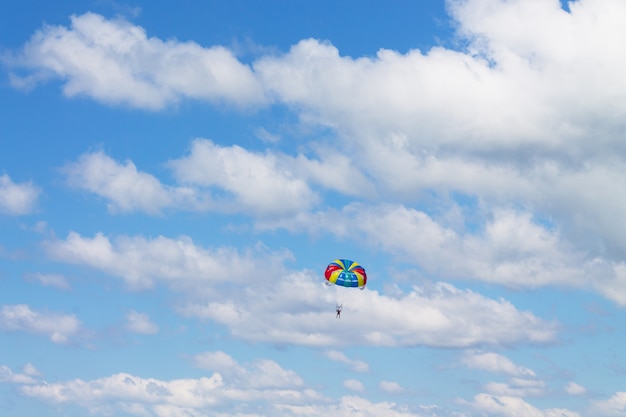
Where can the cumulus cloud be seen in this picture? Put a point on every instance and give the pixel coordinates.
(141, 262)
(206, 396)
(293, 310)
(522, 383)
(513, 86)
(115, 62)
(265, 183)
(216, 178)
(507, 406)
(28, 375)
(494, 362)
(17, 198)
(516, 138)
(517, 387)
(126, 387)
(612, 407)
(126, 188)
(507, 247)
(260, 387)
(573, 388)
(140, 323)
(354, 385)
(509, 119)
(60, 328)
(353, 405)
(262, 373)
(510, 249)
(218, 361)
(390, 387)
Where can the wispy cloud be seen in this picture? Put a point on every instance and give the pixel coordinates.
(354, 364)
(50, 280)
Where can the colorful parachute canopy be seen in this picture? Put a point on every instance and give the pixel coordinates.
(346, 273)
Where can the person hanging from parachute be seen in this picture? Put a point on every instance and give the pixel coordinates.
(345, 273)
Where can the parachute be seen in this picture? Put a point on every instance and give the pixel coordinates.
(346, 273)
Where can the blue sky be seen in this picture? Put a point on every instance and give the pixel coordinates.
(175, 177)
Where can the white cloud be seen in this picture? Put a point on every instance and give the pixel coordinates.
(336, 172)
(125, 387)
(265, 183)
(268, 373)
(390, 387)
(355, 364)
(573, 388)
(140, 323)
(507, 406)
(30, 370)
(521, 384)
(557, 46)
(517, 387)
(526, 122)
(115, 62)
(507, 247)
(529, 116)
(206, 396)
(17, 198)
(354, 385)
(218, 361)
(406, 93)
(512, 118)
(224, 179)
(259, 387)
(611, 407)
(350, 406)
(260, 374)
(60, 328)
(126, 188)
(292, 311)
(27, 376)
(510, 249)
(520, 84)
(142, 262)
(494, 362)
